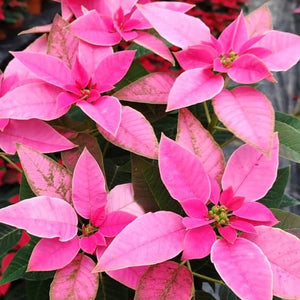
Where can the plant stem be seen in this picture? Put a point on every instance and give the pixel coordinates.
(213, 124)
(206, 112)
(11, 162)
(208, 278)
(221, 128)
(228, 142)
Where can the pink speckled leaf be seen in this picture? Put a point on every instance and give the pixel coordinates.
(128, 276)
(283, 252)
(167, 280)
(179, 29)
(194, 86)
(252, 177)
(75, 281)
(61, 42)
(149, 239)
(154, 44)
(244, 268)
(194, 137)
(45, 176)
(34, 133)
(88, 192)
(135, 134)
(182, 172)
(42, 216)
(153, 88)
(121, 197)
(259, 21)
(52, 254)
(248, 114)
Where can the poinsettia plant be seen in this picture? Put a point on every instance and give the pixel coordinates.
(140, 185)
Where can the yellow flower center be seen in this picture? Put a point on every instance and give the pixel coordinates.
(228, 59)
(220, 214)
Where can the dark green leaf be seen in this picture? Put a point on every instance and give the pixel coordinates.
(38, 290)
(25, 190)
(288, 200)
(274, 197)
(227, 294)
(288, 128)
(140, 50)
(110, 289)
(9, 237)
(149, 191)
(201, 295)
(287, 220)
(16, 293)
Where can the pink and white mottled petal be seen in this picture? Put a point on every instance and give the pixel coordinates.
(89, 243)
(259, 21)
(153, 88)
(179, 29)
(135, 134)
(251, 178)
(244, 268)
(106, 111)
(115, 222)
(167, 280)
(34, 133)
(52, 254)
(248, 114)
(43, 216)
(45, 176)
(194, 137)
(201, 56)
(182, 172)
(154, 44)
(53, 70)
(248, 69)
(194, 86)
(284, 47)
(198, 242)
(121, 198)
(173, 5)
(92, 29)
(88, 192)
(195, 208)
(191, 223)
(39, 98)
(90, 55)
(128, 276)
(113, 67)
(228, 233)
(149, 239)
(283, 252)
(76, 280)
(234, 35)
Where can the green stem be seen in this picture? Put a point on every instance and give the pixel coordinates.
(228, 142)
(221, 128)
(106, 146)
(206, 110)
(213, 123)
(11, 162)
(208, 278)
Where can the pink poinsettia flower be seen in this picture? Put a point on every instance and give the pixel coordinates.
(243, 58)
(108, 23)
(102, 215)
(34, 132)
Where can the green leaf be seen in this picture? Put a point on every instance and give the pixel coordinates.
(140, 50)
(38, 290)
(201, 295)
(149, 190)
(288, 128)
(287, 220)
(227, 294)
(274, 197)
(25, 190)
(9, 237)
(288, 200)
(16, 292)
(18, 265)
(109, 289)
